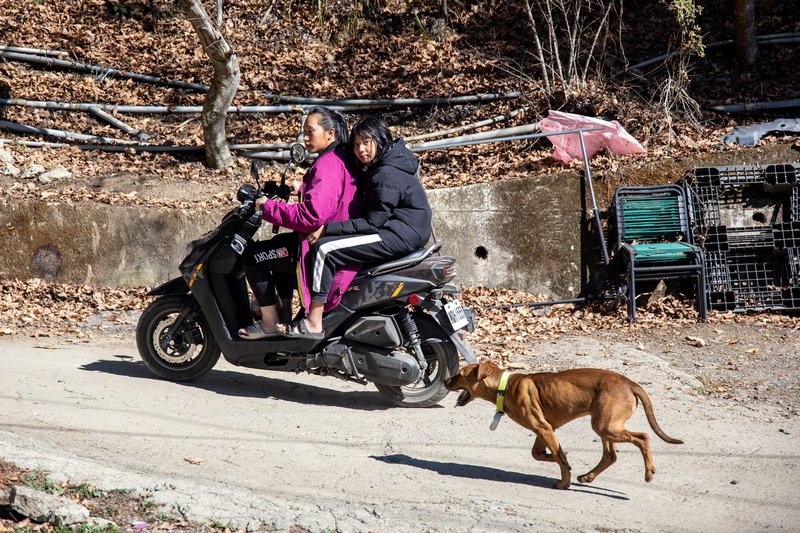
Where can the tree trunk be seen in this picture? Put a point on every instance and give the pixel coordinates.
(223, 85)
(744, 33)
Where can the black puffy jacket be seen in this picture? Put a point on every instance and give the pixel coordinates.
(396, 204)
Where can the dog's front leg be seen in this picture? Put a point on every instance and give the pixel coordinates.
(558, 455)
(539, 451)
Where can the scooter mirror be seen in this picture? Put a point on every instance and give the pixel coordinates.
(254, 169)
(297, 153)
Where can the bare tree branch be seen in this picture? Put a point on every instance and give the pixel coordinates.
(223, 87)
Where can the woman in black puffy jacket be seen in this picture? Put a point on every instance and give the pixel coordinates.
(397, 219)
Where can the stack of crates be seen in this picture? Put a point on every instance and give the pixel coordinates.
(747, 219)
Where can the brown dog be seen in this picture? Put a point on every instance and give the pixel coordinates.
(544, 402)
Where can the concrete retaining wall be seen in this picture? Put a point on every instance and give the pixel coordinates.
(96, 244)
(521, 234)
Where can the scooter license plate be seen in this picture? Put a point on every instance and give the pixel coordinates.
(456, 314)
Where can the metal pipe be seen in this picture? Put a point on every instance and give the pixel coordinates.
(467, 127)
(776, 38)
(548, 303)
(102, 71)
(66, 106)
(505, 132)
(61, 134)
(498, 139)
(389, 102)
(35, 51)
(104, 147)
(594, 201)
(162, 148)
(757, 106)
(114, 121)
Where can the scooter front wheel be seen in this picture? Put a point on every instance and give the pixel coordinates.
(182, 353)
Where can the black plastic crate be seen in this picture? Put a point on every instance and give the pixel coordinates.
(718, 276)
(793, 266)
(781, 174)
(791, 298)
(715, 239)
(750, 238)
(723, 238)
(729, 175)
(786, 235)
(751, 281)
(757, 280)
(751, 208)
(704, 206)
(722, 301)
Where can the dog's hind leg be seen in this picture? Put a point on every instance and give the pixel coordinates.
(539, 451)
(608, 459)
(640, 440)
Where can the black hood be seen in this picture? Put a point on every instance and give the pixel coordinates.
(399, 157)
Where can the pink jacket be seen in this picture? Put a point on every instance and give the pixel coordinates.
(328, 193)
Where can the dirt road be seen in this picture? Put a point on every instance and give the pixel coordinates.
(269, 451)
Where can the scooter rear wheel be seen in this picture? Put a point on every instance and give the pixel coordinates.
(190, 354)
(442, 358)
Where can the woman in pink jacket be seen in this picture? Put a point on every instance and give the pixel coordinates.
(328, 193)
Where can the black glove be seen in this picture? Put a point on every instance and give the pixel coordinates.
(283, 192)
(270, 189)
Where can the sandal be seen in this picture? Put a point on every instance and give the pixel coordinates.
(300, 331)
(253, 332)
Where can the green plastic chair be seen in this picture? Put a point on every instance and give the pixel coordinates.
(654, 240)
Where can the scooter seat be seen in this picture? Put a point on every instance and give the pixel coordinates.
(396, 264)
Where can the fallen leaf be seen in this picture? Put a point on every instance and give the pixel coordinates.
(696, 341)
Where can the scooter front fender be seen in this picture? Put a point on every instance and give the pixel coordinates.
(173, 286)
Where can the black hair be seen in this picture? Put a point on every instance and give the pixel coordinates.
(328, 118)
(377, 129)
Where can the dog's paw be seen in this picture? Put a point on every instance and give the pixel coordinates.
(648, 474)
(562, 485)
(586, 478)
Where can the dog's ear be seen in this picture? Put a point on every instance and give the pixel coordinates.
(474, 372)
(484, 369)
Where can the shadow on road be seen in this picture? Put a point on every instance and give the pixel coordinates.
(491, 474)
(240, 384)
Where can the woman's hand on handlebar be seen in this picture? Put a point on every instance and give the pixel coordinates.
(260, 203)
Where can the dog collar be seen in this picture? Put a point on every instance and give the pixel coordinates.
(501, 395)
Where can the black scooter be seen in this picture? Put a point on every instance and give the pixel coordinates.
(399, 324)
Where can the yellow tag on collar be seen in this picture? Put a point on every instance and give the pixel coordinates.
(501, 394)
(501, 391)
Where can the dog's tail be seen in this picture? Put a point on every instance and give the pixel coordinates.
(640, 393)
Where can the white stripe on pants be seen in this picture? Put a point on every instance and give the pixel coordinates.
(328, 247)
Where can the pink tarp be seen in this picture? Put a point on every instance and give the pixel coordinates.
(567, 147)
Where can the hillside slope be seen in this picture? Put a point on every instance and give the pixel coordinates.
(356, 49)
